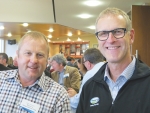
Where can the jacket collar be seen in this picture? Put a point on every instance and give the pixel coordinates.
(141, 70)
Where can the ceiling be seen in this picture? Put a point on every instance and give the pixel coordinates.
(63, 18)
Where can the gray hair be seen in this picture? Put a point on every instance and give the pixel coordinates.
(93, 55)
(115, 11)
(60, 59)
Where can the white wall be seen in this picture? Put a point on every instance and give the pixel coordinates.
(10, 50)
(37, 11)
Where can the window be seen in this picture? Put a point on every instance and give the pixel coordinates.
(1, 45)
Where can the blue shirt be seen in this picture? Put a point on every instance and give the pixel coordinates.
(114, 87)
(61, 77)
(75, 99)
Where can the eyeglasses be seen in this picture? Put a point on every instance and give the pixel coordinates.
(117, 33)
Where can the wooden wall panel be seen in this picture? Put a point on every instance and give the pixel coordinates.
(141, 25)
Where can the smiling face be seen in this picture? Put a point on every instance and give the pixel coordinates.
(32, 59)
(115, 50)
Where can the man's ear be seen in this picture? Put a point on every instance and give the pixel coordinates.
(132, 32)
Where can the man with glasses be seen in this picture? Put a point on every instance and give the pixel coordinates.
(121, 85)
(93, 60)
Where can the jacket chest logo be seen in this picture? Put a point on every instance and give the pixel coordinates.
(94, 101)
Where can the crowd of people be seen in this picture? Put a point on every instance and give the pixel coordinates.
(35, 83)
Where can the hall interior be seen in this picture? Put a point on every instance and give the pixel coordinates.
(63, 17)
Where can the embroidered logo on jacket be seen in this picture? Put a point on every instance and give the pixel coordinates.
(94, 101)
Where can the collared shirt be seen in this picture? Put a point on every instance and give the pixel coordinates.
(61, 76)
(114, 87)
(89, 74)
(45, 92)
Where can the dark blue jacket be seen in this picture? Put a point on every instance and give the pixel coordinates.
(133, 97)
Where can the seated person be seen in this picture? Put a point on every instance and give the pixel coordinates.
(69, 63)
(81, 67)
(14, 65)
(74, 62)
(67, 76)
(4, 61)
(93, 60)
(2, 67)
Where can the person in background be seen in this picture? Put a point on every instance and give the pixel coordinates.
(14, 63)
(2, 67)
(69, 63)
(93, 60)
(81, 67)
(67, 76)
(49, 67)
(122, 84)
(28, 89)
(10, 61)
(74, 62)
(4, 60)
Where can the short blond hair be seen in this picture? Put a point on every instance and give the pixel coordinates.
(34, 35)
(115, 11)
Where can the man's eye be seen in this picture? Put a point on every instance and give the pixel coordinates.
(103, 34)
(28, 53)
(118, 31)
(40, 55)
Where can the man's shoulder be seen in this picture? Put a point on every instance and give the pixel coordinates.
(2, 67)
(96, 76)
(71, 68)
(53, 86)
(54, 73)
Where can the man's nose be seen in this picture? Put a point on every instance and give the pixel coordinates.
(111, 37)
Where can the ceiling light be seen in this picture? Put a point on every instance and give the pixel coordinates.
(9, 34)
(25, 24)
(69, 34)
(51, 30)
(84, 16)
(68, 39)
(92, 3)
(79, 33)
(91, 27)
(48, 40)
(79, 39)
(49, 36)
(1, 27)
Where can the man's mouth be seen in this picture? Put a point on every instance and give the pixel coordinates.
(113, 47)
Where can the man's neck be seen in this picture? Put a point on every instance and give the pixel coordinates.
(115, 69)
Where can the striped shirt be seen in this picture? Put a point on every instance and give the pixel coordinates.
(45, 92)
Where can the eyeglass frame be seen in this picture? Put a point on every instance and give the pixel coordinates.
(125, 30)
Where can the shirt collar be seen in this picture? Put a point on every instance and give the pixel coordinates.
(127, 73)
(40, 82)
(12, 74)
